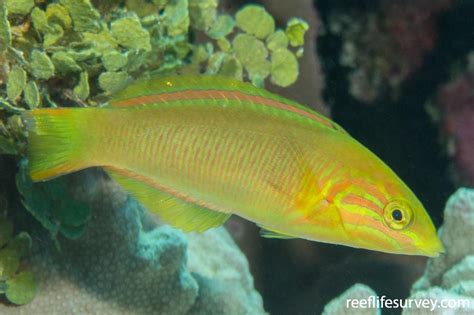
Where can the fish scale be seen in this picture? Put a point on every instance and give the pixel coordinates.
(216, 166)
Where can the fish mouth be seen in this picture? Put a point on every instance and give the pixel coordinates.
(432, 249)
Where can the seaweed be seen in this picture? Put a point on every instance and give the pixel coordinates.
(71, 53)
(52, 204)
(17, 282)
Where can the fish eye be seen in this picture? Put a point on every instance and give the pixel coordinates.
(398, 215)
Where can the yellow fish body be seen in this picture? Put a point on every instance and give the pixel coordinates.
(195, 150)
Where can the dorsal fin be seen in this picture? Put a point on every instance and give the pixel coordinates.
(180, 83)
(189, 87)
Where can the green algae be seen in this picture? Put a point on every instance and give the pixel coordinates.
(255, 20)
(231, 67)
(295, 30)
(16, 283)
(20, 243)
(5, 34)
(41, 65)
(58, 14)
(84, 16)
(21, 7)
(32, 95)
(7, 146)
(277, 40)
(114, 60)
(64, 63)
(100, 49)
(224, 45)
(202, 13)
(130, 34)
(53, 205)
(82, 89)
(9, 263)
(21, 289)
(16, 83)
(112, 82)
(256, 50)
(177, 17)
(284, 67)
(39, 20)
(222, 26)
(252, 53)
(145, 8)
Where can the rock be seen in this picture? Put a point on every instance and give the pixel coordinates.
(441, 302)
(449, 278)
(223, 277)
(457, 235)
(358, 293)
(463, 271)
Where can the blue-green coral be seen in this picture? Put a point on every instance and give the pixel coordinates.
(127, 264)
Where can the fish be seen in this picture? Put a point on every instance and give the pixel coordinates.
(195, 150)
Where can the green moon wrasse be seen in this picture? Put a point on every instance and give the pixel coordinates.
(196, 149)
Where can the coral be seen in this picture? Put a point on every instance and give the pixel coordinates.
(460, 304)
(218, 274)
(385, 45)
(456, 234)
(338, 306)
(125, 264)
(450, 276)
(456, 106)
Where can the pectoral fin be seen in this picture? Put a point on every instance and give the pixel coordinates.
(172, 210)
(269, 233)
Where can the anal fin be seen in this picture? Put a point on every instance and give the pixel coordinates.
(172, 210)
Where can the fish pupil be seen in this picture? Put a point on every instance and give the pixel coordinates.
(397, 215)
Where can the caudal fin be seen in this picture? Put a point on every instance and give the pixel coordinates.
(56, 143)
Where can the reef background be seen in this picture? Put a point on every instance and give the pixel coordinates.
(398, 75)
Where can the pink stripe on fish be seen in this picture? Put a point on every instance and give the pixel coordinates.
(218, 94)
